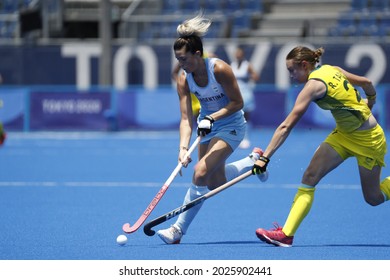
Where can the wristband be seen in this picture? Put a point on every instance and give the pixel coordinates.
(265, 159)
(210, 118)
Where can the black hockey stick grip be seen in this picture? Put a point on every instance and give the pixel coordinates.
(148, 227)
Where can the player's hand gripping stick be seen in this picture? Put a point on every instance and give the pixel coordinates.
(205, 126)
(260, 169)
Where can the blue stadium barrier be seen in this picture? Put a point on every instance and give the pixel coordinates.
(66, 108)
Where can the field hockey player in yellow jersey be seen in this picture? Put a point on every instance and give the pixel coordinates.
(357, 134)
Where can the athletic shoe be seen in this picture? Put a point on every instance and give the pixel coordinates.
(255, 155)
(275, 236)
(171, 235)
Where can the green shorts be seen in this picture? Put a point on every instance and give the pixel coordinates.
(368, 146)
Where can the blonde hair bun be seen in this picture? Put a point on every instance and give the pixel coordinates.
(197, 26)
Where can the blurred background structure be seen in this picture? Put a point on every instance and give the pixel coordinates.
(145, 20)
(56, 55)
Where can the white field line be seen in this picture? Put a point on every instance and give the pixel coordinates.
(156, 185)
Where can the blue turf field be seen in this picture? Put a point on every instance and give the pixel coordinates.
(65, 196)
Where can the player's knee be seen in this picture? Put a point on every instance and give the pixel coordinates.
(202, 178)
(311, 176)
(206, 181)
(200, 175)
(374, 200)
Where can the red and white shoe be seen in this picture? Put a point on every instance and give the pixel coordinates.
(275, 236)
(256, 153)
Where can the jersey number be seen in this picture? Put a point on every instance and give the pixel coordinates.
(346, 86)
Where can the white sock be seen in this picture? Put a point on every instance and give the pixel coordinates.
(187, 217)
(234, 169)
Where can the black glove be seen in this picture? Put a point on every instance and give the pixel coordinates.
(256, 169)
(205, 126)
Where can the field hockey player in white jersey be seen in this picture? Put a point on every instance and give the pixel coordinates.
(246, 77)
(221, 122)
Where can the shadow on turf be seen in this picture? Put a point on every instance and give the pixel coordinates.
(227, 243)
(350, 245)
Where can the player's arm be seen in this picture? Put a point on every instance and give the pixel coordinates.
(311, 91)
(283, 130)
(224, 76)
(186, 121)
(175, 72)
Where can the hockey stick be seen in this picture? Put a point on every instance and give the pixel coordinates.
(130, 229)
(148, 227)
